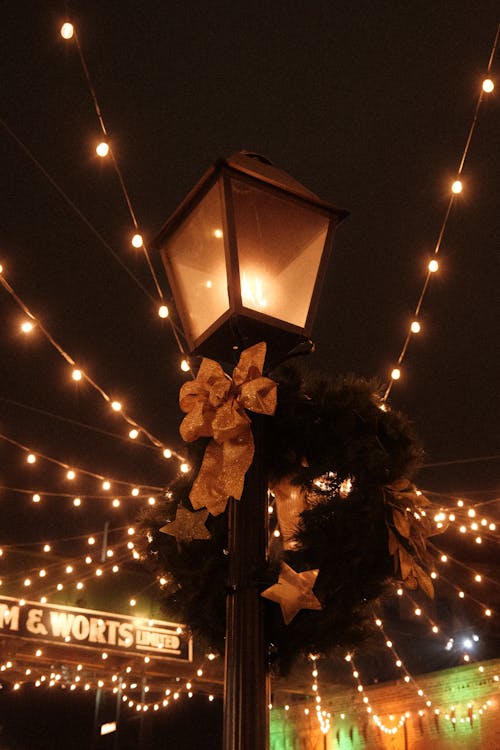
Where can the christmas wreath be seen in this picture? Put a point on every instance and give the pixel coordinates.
(339, 463)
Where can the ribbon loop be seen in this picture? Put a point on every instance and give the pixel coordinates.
(215, 407)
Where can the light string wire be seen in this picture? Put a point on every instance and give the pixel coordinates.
(74, 207)
(444, 224)
(126, 195)
(77, 423)
(82, 374)
(116, 167)
(62, 464)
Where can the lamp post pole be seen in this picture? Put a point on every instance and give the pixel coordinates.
(246, 678)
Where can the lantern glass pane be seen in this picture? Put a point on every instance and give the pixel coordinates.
(280, 244)
(197, 260)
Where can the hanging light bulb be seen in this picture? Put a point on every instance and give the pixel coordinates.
(137, 241)
(415, 326)
(27, 326)
(163, 311)
(67, 30)
(76, 375)
(102, 149)
(488, 85)
(457, 187)
(433, 265)
(396, 373)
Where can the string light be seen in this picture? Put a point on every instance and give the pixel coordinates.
(27, 326)
(137, 241)
(456, 188)
(163, 311)
(433, 265)
(67, 30)
(102, 149)
(76, 375)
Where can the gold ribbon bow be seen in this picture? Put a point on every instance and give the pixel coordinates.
(215, 407)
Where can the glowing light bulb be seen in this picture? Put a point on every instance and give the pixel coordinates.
(167, 453)
(433, 266)
(151, 501)
(137, 240)
(106, 485)
(132, 602)
(131, 531)
(457, 187)
(27, 581)
(116, 406)
(36, 498)
(31, 458)
(218, 233)
(396, 373)
(163, 311)
(415, 327)
(102, 149)
(91, 540)
(77, 502)
(79, 585)
(488, 85)
(135, 491)
(184, 468)
(116, 503)
(27, 326)
(70, 474)
(67, 30)
(133, 434)
(46, 547)
(185, 366)
(76, 375)
(69, 569)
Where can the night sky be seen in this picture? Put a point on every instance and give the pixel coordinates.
(368, 105)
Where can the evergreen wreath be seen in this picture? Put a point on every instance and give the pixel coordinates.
(325, 431)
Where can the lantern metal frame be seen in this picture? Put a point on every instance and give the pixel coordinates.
(240, 326)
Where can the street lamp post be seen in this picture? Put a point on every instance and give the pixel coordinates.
(245, 254)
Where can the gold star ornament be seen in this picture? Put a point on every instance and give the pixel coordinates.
(293, 591)
(188, 526)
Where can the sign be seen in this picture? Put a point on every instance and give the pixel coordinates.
(101, 630)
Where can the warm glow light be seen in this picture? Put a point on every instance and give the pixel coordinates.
(102, 149)
(457, 187)
(218, 233)
(396, 373)
(184, 468)
(252, 292)
(31, 458)
(163, 311)
(70, 474)
(135, 491)
(36, 498)
(76, 375)
(415, 327)
(77, 502)
(185, 365)
(106, 485)
(27, 326)
(116, 406)
(46, 547)
(433, 266)
(488, 85)
(116, 503)
(133, 434)
(67, 30)
(132, 602)
(167, 453)
(137, 240)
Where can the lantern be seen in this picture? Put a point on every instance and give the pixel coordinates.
(245, 254)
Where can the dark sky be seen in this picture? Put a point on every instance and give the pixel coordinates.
(368, 105)
(369, 108)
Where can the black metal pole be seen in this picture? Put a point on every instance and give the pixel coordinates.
(246, 678)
